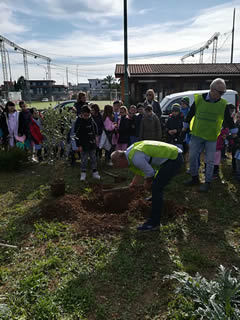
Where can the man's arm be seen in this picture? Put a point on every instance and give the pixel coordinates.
(189, 117)
(135, 181)
(139, 160)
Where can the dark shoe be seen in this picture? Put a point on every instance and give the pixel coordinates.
(193, 182)
(148, 227)
(204, 187)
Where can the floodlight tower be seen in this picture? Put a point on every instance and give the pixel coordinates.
(213, 40)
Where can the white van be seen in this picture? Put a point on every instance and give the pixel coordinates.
(166, 104)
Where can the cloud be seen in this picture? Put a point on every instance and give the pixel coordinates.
(73, 11)
(144, 11)
(98, 52)
(21, 7)
(8, 23)
(82, 9)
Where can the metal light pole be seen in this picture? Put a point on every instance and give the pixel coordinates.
(77, 74)
(46, 70)
(233, 30)
(126, 93)
(9, 66)
(67, 75)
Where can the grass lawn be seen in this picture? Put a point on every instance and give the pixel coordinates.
(65, 267)
(44, 105)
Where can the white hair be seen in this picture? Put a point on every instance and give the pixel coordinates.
(215, 82)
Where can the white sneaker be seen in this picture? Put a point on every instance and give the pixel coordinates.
(83, 176)
(96, 175)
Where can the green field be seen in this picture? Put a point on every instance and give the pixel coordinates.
(65, 267)
(44, 105)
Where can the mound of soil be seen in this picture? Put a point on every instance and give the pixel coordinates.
(117, 201)
(91, 216)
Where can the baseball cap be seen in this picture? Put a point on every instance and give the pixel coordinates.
(186, 100)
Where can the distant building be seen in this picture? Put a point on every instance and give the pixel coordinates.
(99, 89)
(169, 78)
(45, 89)
(97, 84)
(79, 87)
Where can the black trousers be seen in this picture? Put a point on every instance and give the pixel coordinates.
(166, 172)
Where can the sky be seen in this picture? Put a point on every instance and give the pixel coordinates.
(86, 36)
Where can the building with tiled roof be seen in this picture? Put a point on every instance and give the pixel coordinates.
(169, 78)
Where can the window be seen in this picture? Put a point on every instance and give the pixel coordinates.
(168, 108)
(68, 105)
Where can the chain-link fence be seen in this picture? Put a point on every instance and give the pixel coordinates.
(103, 95)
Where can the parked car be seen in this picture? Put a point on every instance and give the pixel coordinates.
(166, 104)
(44, 100)
(65, 104)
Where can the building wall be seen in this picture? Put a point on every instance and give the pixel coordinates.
(96, 84)
(164, 86)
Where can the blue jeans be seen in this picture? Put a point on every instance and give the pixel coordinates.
(166, 172)
(196, 146)
(132, 140)
(84, 160)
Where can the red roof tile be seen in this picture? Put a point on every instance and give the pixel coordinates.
(188, 68)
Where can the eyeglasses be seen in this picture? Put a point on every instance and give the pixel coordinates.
(149, 94)
(220, 92)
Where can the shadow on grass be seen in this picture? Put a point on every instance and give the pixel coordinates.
(127, 282)
(204, 243)
(128, 286)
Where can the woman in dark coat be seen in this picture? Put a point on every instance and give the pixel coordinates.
(150, 100)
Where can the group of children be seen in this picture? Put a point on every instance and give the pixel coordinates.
(119, 126)
(21, 129)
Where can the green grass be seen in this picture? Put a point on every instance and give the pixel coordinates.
(44, 105)
(58, 273)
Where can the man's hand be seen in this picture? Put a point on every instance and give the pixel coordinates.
(80, 149)
(135, 181)
(184, 129)
(148, 183)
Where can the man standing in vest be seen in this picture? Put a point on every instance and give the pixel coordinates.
(158, 162)
(207, 114)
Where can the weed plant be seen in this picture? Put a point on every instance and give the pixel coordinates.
(199, 298)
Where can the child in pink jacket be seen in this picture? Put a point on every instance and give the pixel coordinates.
(219, 147)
